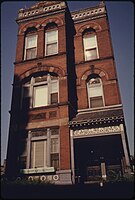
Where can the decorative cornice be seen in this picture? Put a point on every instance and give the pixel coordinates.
(106, 115)
(88, 13)
(101, 121)
(40, 8)
(43, 8)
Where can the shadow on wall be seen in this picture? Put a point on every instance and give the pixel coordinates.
(72, 92)
(17, 135)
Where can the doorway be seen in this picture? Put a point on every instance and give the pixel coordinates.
(95, 156)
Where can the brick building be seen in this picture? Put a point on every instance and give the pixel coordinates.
(67, 122)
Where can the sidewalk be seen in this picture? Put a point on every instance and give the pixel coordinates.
(123, 190)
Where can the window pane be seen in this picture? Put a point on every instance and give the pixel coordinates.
(96, 102)
(51, 36)
(95, 81)
(38, 154)
(90, 54)
(40, 96)
(31, 41)
(39, 132)
(90, 41)
(54, 77)
(54, 131)
(26, 98)
(26, 91)
(40, 79)
(54, 145)
(54, 98)
(54, 87)
(95, 91)
(30, 53)
(51, 49)
(55, 160)
(32, 155)
(51, 42)
(94, 87)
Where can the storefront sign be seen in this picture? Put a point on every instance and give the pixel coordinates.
(37, 170)
(97, 131)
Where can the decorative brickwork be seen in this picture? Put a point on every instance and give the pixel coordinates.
(52, 114)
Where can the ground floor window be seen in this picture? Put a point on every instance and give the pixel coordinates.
(38, 153)
(43, 148)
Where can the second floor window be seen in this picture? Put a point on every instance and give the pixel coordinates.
(51, 40)
(90, 45)
(40, 91)
(95, 92)
(30, 47)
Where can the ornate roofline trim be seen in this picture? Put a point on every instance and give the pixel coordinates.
(88, 13)
(40, 8)
(101, 121)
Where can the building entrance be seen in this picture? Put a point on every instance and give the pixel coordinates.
(98, 158)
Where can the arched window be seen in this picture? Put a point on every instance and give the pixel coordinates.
(51, 39)
(95, 92)
(40, 91)
(90, 44)
(30, 50)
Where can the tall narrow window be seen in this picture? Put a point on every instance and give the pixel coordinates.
(54, 151)
(95, 92)
(30, 50)
(30, 47)
(90, 45)
(23, 152)
(51, 40)
(38, 153)
(54, 90)
(25, 104)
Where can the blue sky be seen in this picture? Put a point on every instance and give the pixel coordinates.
(121, 20)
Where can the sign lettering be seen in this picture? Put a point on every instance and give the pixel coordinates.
(95, 131)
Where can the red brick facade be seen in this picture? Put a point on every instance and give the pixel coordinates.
(70, 66)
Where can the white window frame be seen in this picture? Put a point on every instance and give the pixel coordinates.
(48, 31)
(45, 153)
(90, 48)
(26, 41)
(34, 96)
(47, 138)
(89, 94)
(32, 85)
